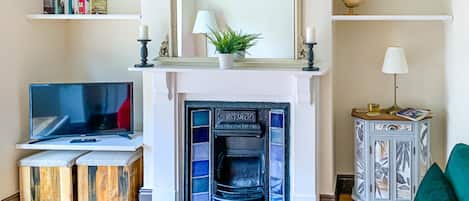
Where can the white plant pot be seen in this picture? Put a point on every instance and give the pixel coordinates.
(226, 61)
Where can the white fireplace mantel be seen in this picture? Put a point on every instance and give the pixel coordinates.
(165, 88)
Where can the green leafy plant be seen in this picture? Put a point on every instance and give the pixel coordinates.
(225, 42)
(247, 40)
(230, 41)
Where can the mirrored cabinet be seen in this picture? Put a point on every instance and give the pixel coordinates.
(391, 157)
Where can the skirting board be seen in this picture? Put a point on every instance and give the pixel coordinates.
(14, 197)
(326, 197)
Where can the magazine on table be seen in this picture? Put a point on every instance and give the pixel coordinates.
(414, 114)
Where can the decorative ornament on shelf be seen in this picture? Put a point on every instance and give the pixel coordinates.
(144, 39)
(395, 63)
(351, 4)
(164, 48)
(310, 43)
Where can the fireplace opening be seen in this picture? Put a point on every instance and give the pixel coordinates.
(237, 151)
(240, 168)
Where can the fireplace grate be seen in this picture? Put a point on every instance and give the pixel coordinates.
(230, 193)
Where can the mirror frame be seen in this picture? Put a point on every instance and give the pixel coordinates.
(297, 21)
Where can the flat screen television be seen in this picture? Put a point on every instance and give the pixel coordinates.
(80, 109)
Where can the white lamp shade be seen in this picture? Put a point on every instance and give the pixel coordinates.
(204, 22)
(395, 61)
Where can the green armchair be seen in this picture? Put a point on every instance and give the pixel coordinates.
(453, 185)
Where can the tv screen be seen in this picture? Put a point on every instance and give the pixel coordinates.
(79, 109)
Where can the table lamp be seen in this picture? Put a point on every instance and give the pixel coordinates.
(395, 63)
(204, 23)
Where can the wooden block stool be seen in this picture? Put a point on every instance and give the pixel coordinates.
(110, 176)
(48, 176)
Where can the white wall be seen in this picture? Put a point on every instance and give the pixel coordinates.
(457, 73)
(29, 52)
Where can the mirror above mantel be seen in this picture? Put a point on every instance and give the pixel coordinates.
(279, 22)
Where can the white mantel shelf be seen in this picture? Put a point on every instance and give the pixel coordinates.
(104, 143)
(182, 69)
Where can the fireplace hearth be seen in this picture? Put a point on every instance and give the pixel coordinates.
(236, 151)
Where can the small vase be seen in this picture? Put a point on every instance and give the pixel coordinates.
(240, 55)
(351, 4)
(226, 61)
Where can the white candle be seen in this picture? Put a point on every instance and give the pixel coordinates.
(143, 32)
(310, 35)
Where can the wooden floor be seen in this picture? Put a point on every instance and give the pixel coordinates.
(345, 197)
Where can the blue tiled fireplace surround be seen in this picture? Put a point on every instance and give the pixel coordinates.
(236, 151)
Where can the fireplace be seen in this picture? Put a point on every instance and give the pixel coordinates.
(169, 91)
(236, 151)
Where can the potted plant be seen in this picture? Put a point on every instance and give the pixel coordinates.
(246, 41)
(226, 43)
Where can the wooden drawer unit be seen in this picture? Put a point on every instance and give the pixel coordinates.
(106, 176)
(48, 176)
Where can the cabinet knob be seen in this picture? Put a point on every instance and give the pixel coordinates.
(392, 127)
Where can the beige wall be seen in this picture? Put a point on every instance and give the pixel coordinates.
(359, 49)
(359, 54)
(29, 52)
(457, 75)
(103, 51)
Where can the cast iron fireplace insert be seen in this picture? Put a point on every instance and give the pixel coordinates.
(236, 151)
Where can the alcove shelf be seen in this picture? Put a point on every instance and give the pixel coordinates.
(84, 17)
(442, 18)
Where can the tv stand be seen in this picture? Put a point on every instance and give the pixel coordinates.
(104, 143)
(39, 140)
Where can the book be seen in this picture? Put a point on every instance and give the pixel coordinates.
(69, 7)
(81, 6)
(49, 6)
(414, 114)
(59, 7)
(76, 7)
(98, 6)
(88, 7)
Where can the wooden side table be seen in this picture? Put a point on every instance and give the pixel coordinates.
(392, 154)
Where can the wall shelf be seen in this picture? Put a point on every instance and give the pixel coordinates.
(443, 18)
(83, 17)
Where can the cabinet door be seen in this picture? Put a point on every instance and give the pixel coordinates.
(403, 180)
(392, 167)
(380, 171)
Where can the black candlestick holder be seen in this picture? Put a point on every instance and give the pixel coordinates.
(310, 55)
(144, 54)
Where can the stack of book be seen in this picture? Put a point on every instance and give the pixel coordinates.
(75, 6)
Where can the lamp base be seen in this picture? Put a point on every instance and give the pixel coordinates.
(392, 110)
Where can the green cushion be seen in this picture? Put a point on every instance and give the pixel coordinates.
(457, 171)
(435, 187)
